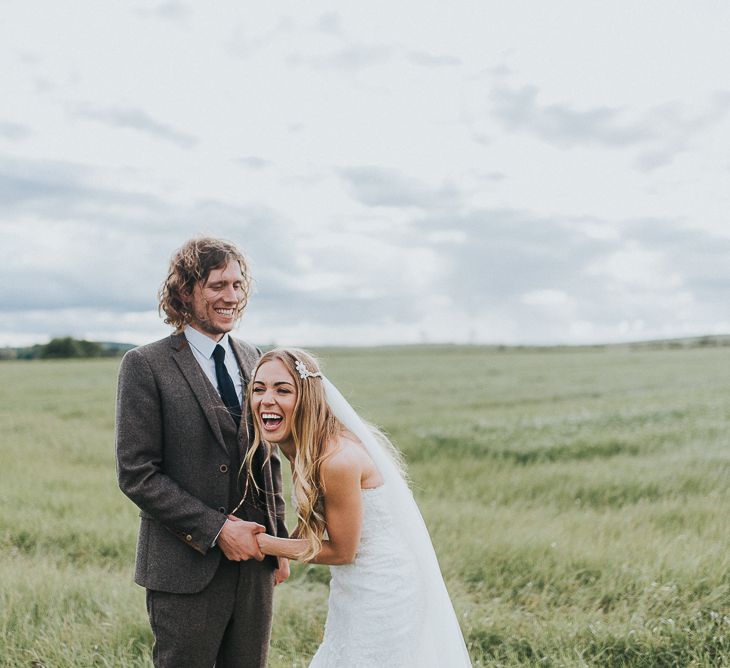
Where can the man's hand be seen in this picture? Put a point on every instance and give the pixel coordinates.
(237, 539)
(282, 572)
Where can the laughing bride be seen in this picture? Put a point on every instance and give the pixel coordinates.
(388, 605)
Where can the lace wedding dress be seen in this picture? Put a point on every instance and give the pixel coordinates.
(376, 604)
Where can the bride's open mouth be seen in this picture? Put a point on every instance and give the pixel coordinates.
(271, 421)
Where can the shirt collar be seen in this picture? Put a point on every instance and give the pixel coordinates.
(204, 344)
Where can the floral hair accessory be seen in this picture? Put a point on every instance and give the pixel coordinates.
(304, 372)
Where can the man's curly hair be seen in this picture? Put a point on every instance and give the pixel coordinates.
(191, 264)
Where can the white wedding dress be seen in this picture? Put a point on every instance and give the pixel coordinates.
(376, 604)
(390, 607)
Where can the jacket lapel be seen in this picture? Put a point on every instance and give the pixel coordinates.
(245, 380)
(205, 394)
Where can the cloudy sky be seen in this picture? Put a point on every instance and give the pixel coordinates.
(470, 171)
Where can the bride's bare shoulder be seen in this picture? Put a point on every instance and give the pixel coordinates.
(344, 457)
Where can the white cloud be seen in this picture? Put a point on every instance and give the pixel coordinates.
(660, 133)
(13, 131)
(546, 297)
(350, 58)
(378, 186)
(141, 121)
(391, 180)
(425, 59)
(637, 268)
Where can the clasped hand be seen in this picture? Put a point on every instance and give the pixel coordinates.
(237, 539)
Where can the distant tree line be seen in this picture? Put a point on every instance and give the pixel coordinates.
(65, 347)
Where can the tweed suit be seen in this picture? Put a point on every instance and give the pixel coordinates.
(178, 455)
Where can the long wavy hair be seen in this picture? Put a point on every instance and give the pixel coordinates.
(191, 264)
(313, 429)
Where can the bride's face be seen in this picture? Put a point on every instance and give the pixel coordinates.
(273, 397)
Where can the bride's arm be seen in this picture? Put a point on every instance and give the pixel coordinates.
(343, 514)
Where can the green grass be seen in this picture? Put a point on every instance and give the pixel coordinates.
(578, 501)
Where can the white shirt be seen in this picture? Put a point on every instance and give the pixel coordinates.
(203, 347)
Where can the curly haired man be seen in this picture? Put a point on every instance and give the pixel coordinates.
(182, 432)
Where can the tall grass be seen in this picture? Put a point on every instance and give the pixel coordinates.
(578, 501)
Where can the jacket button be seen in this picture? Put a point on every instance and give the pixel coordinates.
(188, 538)
(222, 510)
(224, 468)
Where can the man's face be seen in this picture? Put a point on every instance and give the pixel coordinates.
(214, 303)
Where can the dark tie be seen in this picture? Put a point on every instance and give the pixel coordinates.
(225, 384)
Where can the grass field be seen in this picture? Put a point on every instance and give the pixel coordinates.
(578, 501)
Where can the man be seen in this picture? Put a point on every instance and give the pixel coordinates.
(182, 431)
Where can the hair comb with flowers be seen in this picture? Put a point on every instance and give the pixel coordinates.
(304, 372)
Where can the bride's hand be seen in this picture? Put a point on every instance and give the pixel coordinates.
(261, 539)
(282, 572)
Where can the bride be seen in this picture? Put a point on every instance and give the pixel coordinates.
(388, 605)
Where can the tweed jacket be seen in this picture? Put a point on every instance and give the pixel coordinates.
(177, 448)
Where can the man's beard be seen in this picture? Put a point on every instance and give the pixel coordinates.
(207, 324)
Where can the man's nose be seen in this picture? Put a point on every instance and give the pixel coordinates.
(230, 294)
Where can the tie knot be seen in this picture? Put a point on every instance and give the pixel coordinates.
(219, 353)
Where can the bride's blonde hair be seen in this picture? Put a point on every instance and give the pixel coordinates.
(313, 428)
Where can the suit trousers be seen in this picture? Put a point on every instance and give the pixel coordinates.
(228, 624)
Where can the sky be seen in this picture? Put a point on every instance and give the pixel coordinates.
(395, 172)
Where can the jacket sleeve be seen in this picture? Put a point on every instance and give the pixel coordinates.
(139, 456)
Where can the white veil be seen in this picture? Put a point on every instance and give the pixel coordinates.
(441, 644)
